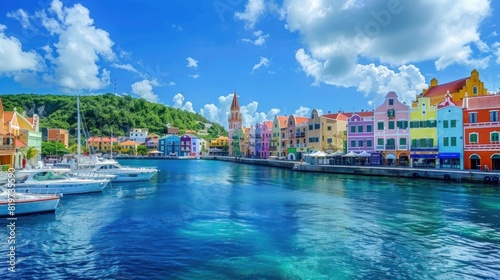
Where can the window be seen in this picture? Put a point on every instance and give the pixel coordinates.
(446, 141)
(390, 114)
(328, 128)
(380, 125)
(472, 117)
(380, 141)
(310, 127)
(316, 126)
(369, 143)
(391, 101)
(494, 137)
(369, 128)
(493, 116)
(445, 124)
(391, 124)
(353, 143)
(402, 124)
(360, 128)
(329, 140)
(402, 141)
(453, 123)
(453, 141)
(473, 138)
(360, 143)
(353, 128)
(474, 90)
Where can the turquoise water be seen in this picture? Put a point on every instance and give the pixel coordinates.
(218, 220)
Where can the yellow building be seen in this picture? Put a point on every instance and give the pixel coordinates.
(58, 135)
(423, 134)
(101, 144)
(130, 145)
(326, 132)
(277, 147)
(218, 146)
(471, 86)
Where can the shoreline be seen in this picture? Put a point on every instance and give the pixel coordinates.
(451, 175)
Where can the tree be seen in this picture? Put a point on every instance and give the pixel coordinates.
(142, 150)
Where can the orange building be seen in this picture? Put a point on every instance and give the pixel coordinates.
(58, 135)
(481, 132)
(101, 144)
(471, 86)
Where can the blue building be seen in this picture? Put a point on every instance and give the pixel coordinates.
(450, 134)
(169, 145)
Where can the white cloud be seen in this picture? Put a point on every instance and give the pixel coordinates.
(13, 58)
(260, 38)
(144, 89)
(302, 112)
(171, 83)
(264, 62)
(127, 67)
(80, 43)
(194, 76)
(192, 63)
(496, 47)
(253, 10)
(339, 35)
(179, 103)
(250, 116)
(22, 17)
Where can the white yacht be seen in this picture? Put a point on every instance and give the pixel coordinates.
(123, 173)
(26, 203)
(52, 182)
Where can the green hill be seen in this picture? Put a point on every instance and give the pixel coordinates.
(100, 113)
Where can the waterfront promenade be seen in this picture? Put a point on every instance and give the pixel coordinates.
(490, 177)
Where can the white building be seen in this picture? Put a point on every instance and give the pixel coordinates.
(138, 135)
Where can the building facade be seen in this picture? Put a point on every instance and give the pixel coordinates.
(170, 145)
(277, 145)
(423, 134)
(58, 135)
(235, 123)
(450, 133)
(138, 135)
(295, 137)
(101, 144)
(391, 131)
(481, 132)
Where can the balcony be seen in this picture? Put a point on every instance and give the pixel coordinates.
(273, 149)
(403, 147)
(390, 147)
(379, 147)
(7, 147)
(300, 134)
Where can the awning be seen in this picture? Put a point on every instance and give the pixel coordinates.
(449, 155)
(423, 155)
(390, 156)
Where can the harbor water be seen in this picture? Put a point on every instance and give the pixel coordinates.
(207, 219)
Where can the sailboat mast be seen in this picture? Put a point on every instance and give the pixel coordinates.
(78, 137)
(111, 143)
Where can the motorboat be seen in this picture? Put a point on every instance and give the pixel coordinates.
(50, 181)
(123, 173)
(14, 203)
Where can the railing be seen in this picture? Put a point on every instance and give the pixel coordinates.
(390, 147)
(379, 147)
(472, 147)
(403, 147)
(7, 147)
(482, 124)
(423, 147)
(300, 134)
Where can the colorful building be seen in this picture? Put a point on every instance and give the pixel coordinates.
(237, 142)
(245, 142)
(152, 141)
(360, 134)
(170, 145)
(130, 145)
(391, 131)
(326, 132)
(450, 133)
(58, 135)
(295, 137)
(252, 141)
(185, 148)
(267, 127)
(219, 146)
(235, 123)
(471, 86)
(258, 140)
(101, 144)
(423, 134)
(277, 145)
(481, 132)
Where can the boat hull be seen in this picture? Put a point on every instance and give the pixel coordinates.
(61, 188)
(30, 206)
(133, 177)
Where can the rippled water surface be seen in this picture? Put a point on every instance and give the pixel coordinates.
(218, 220)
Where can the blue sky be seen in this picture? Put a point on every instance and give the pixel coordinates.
(282, 57)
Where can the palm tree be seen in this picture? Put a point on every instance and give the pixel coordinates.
(29, 153)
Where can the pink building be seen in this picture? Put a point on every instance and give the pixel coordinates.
(266, 131)
(392, 132)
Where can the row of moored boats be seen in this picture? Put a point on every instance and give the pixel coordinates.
(39, 190)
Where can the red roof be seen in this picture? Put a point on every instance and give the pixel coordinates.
(102, 139)
(483, 102)
(300, 120)
(235, 104)
(444, 88)
(19, 144)
(283, 120)
(269, 124)
(7, 116)
(338, 116)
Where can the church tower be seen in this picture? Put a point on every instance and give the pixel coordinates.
(235, 121)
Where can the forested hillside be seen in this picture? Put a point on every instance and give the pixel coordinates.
(100, 113)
